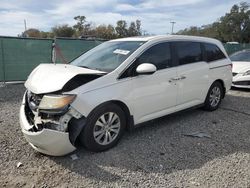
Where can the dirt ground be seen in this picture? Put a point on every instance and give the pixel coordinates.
(155, 155)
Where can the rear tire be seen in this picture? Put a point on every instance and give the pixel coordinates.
(214, 97)
(104, 128)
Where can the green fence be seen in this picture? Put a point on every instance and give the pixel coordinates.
(19, 56)
(232, 48)
(68, 49)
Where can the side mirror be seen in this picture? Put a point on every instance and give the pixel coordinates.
(146, 68)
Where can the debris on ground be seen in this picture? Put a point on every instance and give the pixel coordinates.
(198, 134)
(19, 164)
(74, 157)
(161, 167)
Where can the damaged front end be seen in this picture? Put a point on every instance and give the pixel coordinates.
(49, 123)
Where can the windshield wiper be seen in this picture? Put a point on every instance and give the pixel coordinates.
(91, 68)
(85, 67)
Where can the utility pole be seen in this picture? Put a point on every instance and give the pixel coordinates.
(25, 28)
(172, 26)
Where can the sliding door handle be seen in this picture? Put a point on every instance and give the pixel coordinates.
(173, 80)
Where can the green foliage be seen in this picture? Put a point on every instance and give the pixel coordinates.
(134, 28)
(80, 25)
(121, 29)
(31, 33)
(82, 29)
(63, 31)
(234, 26)
(105, 32)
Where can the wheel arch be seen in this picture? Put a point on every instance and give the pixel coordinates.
(125, 109)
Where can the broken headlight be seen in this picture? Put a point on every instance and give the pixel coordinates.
(55, 103)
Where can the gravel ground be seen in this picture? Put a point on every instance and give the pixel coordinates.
(155, 155)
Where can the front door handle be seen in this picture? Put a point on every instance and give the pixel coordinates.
(173, 79)
(177, 79)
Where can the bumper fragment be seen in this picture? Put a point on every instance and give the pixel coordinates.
(47, 141)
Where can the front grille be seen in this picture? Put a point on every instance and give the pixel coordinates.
(234, 73)
(243, 83)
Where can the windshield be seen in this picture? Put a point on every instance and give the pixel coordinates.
(241, 56)
(107, 56)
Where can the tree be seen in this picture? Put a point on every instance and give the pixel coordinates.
(31, 33)
(63, 31)
(121, 28)
(44, 34)
(138, 27)
(234, 26)
(105, 32)
(83, 29)
(132, 31)
(80, 25)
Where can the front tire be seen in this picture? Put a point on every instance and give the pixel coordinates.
(104, 128)
(214, 97)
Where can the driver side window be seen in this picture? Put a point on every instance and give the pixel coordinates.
(158, 55)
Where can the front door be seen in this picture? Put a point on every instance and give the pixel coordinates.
(154, 95)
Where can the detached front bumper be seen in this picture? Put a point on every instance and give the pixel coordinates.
(47, 141)
(241, 81)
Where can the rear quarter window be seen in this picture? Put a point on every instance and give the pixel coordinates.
(213, 52)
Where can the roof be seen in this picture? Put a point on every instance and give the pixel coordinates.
(165, 37)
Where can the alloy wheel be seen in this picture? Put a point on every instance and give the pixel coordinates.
(215, 96)
(107, 128)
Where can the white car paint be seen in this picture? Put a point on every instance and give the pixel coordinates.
(52, 77)
(146, 96)
(240, 68)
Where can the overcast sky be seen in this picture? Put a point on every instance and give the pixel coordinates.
(154, 14)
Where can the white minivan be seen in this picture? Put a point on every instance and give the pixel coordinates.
(119, 85)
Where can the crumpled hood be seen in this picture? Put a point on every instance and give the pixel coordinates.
(240, 66)
(47, 78)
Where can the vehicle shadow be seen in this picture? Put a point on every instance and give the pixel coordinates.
(240, 89)
(160, 146)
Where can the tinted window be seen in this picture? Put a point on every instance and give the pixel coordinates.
(213, 53)
(188, 52)
(241, 56)
(159, 55)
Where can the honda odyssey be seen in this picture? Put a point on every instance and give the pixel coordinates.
(119, 85)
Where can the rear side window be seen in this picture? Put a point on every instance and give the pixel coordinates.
(213, 53)
(188, 52)
(159, 55)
